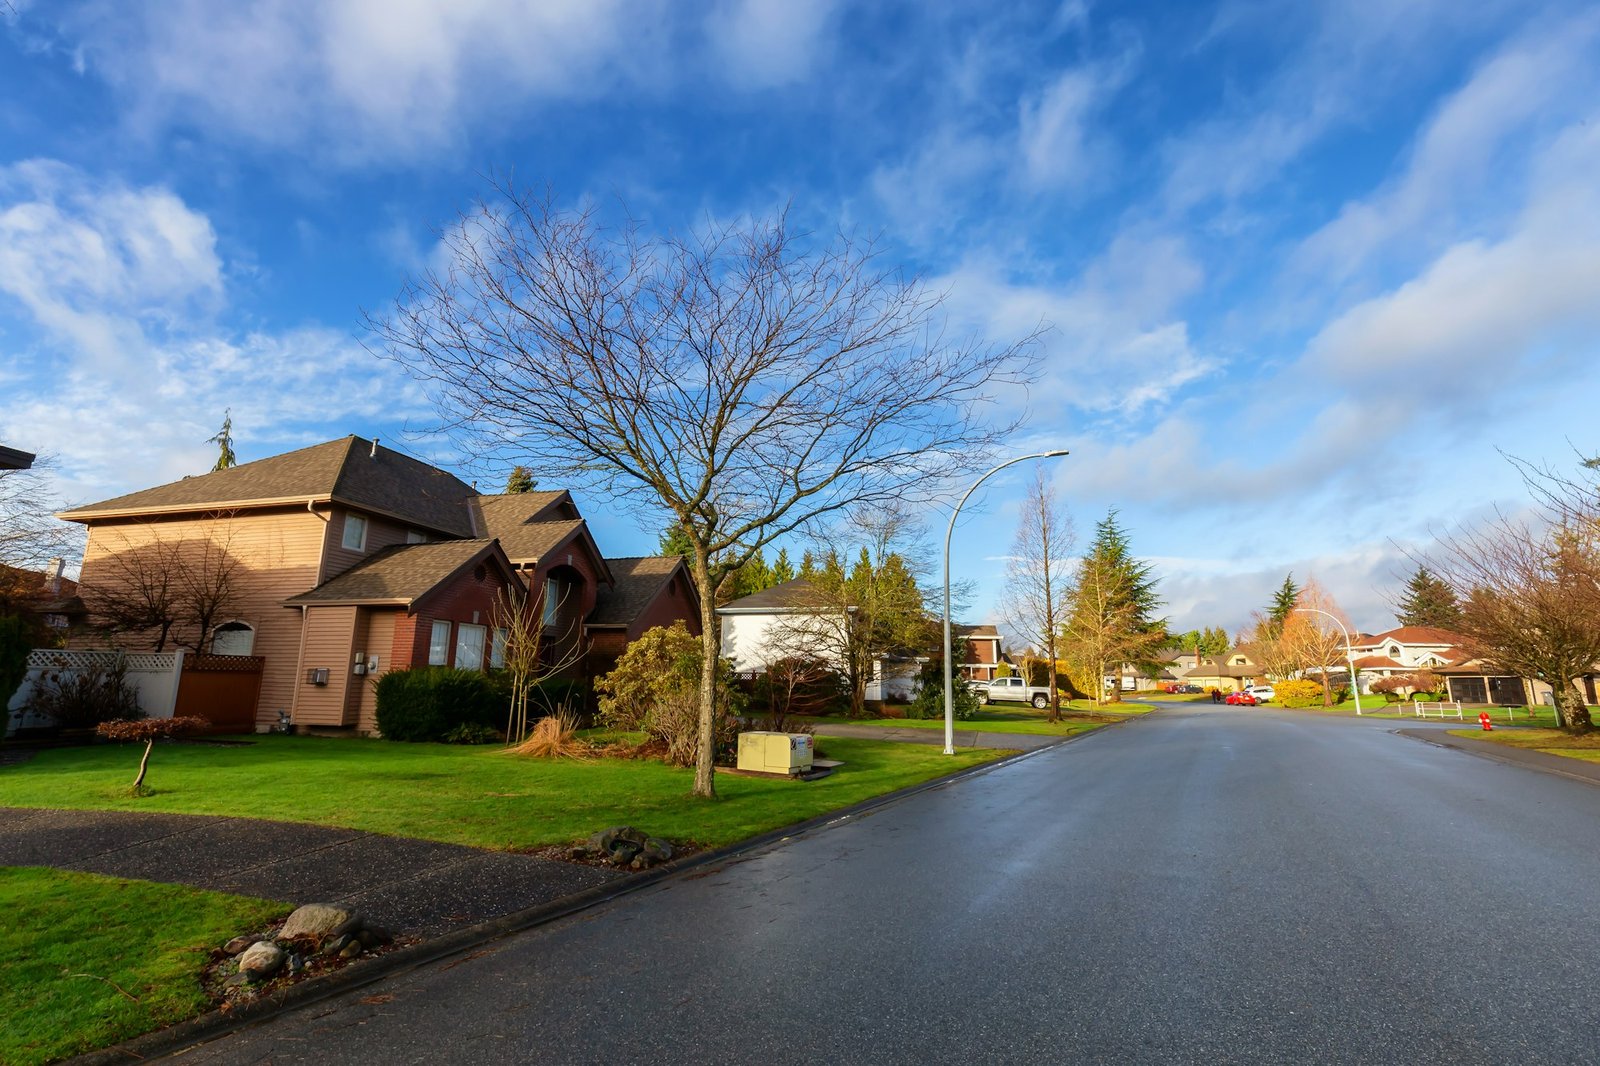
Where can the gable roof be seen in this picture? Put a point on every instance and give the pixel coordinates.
(403, 574)
(793, 595)
(12, 459)
(1415, 635)
(498, 515)
(982, 632)
(351, 471)
(639, 580)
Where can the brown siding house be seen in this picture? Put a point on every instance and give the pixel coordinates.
(352, 559)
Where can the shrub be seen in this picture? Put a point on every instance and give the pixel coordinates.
(84, 698)
(655, 688)
(552, 736)
(15, 640)
(929, 701)
(473, 733)
(797, 685)
(425, 703)
(1298, 693)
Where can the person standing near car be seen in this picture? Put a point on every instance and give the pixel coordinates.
(1216, 695)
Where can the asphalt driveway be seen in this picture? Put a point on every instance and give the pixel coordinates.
(407, 886)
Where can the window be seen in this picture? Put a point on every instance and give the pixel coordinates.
(469, 646)
(416, 536)
(1394, 651)
(439, 644)
(552, 599)
(497, 648)
(355, 532)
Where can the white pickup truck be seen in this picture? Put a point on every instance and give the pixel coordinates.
(1012, 690)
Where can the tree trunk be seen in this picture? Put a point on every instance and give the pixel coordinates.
(144, 763)
(1570, 705)
(711, 653)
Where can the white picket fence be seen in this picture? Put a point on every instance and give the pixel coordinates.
(1437, 710)
(154, 676)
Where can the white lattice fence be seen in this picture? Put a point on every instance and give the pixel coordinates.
(153, 675)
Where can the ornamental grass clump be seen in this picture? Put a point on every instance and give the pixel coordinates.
(554, 736)
(149, 730)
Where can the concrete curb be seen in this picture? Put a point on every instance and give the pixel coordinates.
(1573, 769)
(215, 1024)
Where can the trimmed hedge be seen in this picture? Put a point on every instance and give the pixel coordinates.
(425, 703)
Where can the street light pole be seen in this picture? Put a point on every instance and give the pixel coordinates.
(949, 651)
(1349, 655)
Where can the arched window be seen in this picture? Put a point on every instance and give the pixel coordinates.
(233, 638)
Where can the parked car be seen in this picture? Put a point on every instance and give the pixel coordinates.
(1242, 698)
(1014, 690)
(1262, 693)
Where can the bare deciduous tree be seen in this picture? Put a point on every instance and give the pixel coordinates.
(1531, 601)
(1312, 641)
(168, 587)
(744, 380)
(30, 534)
(1038, 591)
(529, 655)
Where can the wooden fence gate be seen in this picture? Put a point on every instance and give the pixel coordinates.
(223, 689)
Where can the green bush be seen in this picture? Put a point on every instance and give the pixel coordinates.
(473, 734)
(15, 640)
(929, 701)
(426, 703)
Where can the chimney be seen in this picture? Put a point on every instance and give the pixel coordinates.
(374, 454)
(53, 576)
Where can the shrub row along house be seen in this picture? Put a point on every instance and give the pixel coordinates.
(343, 560)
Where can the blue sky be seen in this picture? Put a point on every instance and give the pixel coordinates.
(1309, 268)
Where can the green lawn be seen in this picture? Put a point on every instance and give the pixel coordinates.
(69, 941)
(1373, 708)
(1008, 718)
(462, 795)
(1550, 741)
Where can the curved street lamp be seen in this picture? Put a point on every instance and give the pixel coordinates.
(1349, 655)
(949, 651)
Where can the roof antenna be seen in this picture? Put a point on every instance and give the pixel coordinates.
(374, 454)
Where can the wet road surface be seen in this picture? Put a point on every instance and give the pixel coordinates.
(1202, 885)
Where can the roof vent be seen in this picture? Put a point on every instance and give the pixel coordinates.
(374, 454)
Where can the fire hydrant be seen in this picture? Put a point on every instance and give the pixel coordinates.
(1483, 720)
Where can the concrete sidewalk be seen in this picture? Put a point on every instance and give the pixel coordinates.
(965, 738)
(1581, 769)
(406, 886)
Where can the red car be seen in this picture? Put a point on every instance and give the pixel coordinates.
(1240, 699)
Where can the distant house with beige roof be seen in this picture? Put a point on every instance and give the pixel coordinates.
(354, 559)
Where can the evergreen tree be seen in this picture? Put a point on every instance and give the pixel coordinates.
(521, 480)
(1429, 601)
(1283, 604)
(1112, 617)
(808, 565)
(674, 541)
(782, 568)
(224, 442)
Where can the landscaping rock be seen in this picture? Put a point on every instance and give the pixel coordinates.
(261, 961)
(606, 840)
(320, 920)
(373, 939)
(239, 943)
(334, 945)
(623, 852)
(350, 950)
(656, 851)
(296, 964)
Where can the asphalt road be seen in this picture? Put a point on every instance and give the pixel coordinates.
(1204, 885)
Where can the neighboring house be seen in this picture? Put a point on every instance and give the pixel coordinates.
(1230, 671)
(647, 591)
(51, 597)
(353, 559)
(785, 620)
(12, 459)
(983, 651)
(1405, 650)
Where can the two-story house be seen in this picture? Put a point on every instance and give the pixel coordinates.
(346, 559)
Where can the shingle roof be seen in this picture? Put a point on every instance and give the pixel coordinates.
(791, 595)
(984, 630)
(498, 515)
(350, 470)
(402, 574)
(1379, 662)
(533, 541)
(1416, 635)
(640, 580)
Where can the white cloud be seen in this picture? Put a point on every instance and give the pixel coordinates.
(766, 43)
(1054, 130)
(119, 290)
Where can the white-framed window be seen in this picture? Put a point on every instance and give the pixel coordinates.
(416, 536)
(439, 644)
(552, 600)
(497, 647)
(469, 646)
(355, 533)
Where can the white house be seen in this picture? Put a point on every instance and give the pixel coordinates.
(784, 621)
